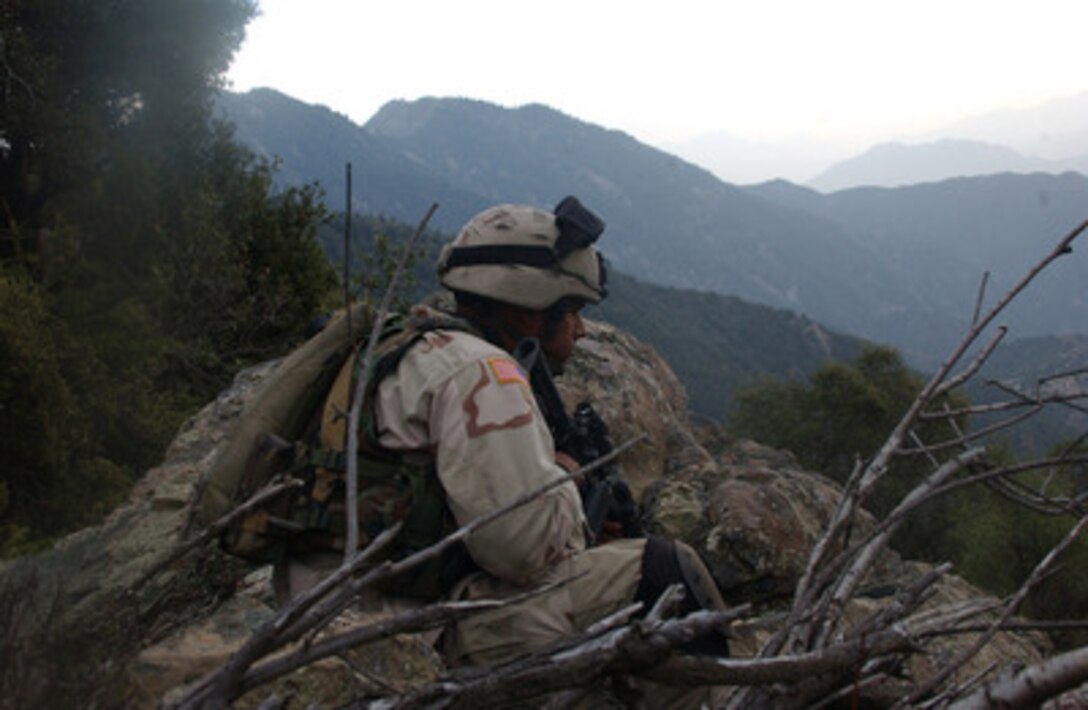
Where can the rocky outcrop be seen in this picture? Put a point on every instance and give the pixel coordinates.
(78, 633)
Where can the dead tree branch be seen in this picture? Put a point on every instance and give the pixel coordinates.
(351, 450)
(967, 654)
(1031, 686)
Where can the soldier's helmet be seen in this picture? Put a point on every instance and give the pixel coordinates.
(526, 256)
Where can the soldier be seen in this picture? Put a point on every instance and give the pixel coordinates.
(448, 391)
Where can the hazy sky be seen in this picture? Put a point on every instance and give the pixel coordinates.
(857, 71)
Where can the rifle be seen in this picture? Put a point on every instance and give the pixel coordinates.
(583, 437)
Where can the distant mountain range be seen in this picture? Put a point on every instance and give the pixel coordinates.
(1050, 137)
(899, 266)
(898, 164)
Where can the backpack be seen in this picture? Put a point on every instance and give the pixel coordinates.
(285, 433)
(283, 405)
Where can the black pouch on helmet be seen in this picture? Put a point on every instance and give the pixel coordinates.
(578, 227)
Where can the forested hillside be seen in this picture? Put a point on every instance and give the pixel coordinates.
(144, 256)
(670, 222)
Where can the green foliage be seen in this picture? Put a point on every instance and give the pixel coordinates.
(842, 414)
(377, 244)
(143, 256)
(848, 410)
(996, 543)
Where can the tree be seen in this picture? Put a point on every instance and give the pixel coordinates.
(138, 242)
(841, 414)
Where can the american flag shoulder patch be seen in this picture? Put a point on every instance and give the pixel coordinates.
(506, 371)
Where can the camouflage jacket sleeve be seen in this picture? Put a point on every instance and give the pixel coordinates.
(470, 404)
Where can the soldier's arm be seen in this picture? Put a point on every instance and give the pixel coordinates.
(492, 446)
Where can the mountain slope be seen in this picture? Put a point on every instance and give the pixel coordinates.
(948, 234)
(669, 222)
(892, 265)
(313, 144)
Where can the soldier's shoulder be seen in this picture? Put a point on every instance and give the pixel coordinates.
(444, 352)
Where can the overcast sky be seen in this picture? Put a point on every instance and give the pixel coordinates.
(851, 71)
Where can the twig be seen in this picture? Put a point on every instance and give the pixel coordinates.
(991, 407)
(1013, 626)
(981, 296)
(970, 371)
(948, 669)
(428, 617)
(351, 451)
(1031, 686)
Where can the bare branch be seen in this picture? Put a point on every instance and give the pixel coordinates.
(1033, 579)
(848, 583)
(351, 450)
(964, 439)
(1033, 685)
(954, 382)
(981, 296)
(991, 407)
(879, 466)
(428, 617)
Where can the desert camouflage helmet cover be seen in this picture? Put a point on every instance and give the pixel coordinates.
(527, 256)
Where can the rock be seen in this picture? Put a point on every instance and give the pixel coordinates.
(636, 394)
(753, 523)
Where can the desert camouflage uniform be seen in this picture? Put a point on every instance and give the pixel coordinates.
(470, 405)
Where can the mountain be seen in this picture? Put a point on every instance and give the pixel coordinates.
(1055, 129)
(886, 275)
(669, 222)
(313, 144)
(896, 164)
(716, 344)
(948, 234)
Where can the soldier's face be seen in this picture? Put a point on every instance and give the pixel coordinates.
(560, 346)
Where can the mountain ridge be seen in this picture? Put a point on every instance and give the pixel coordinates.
(675, 224)
(897, 164)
